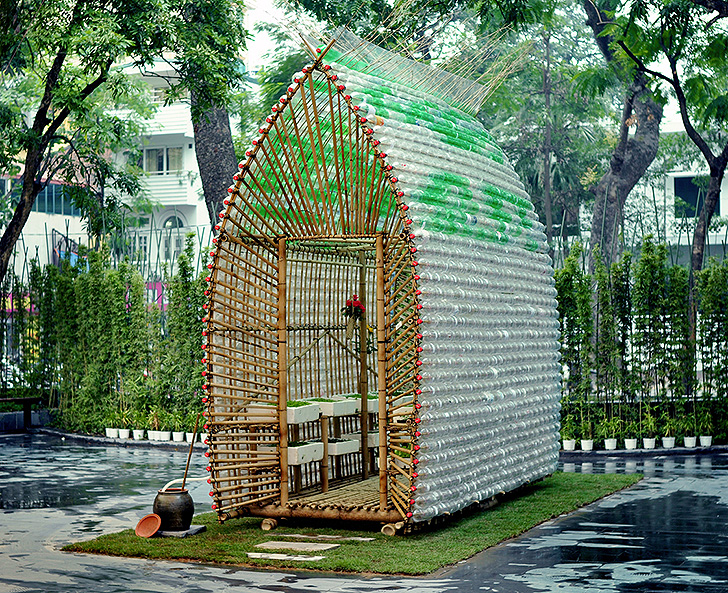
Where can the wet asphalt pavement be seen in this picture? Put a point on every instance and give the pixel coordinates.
(669, 533)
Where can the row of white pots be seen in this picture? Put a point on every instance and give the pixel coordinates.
(152, 435)
(629, 444)
(309, 410)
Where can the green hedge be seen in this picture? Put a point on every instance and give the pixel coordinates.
(631, 368)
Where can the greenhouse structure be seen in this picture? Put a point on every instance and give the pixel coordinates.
(381, 335)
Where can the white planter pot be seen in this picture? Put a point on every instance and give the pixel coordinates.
(178, 437)
(153, 435)
(569, 444)
(630, 444)
(706, 441)
(648, 443)
(668, 442)
(587, 444)
(343, 447)
(164, 435)
(305, 453)
(372, 402)
(339, 407)
(301, 414)
(190, 436)
(124, 433)
(112, 433)
(138, 434)
(690, 442)
(610, 444)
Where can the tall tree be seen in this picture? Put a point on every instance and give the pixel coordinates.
(541, 110)
(57, 59)
(209, 40)
(632, 154)
(692, 37)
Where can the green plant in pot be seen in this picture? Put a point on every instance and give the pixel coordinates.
(631, 434)
(568, 432)
(609, 430)
(705, 425)
(568, 427)
(687, 429)
(649, 429)
(669, 429)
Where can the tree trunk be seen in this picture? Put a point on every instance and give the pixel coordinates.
(28, 194)
(547, 210)
(632, 156)
(701, 229)
(215, 157)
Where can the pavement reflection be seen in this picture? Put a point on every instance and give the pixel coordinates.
(668, 533)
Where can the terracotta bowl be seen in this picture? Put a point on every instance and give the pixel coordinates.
(148, 525)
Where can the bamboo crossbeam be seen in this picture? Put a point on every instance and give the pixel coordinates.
(246, 242)
(245, 503)
(256, 484)
(234, 387)
(247, 363)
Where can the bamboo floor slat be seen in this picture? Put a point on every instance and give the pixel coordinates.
(360, 495)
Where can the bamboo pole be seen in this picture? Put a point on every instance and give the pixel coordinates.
(381, 378)
(363, 381)
(282, 369)
(325, 460)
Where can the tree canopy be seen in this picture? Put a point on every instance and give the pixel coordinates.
(59, 78)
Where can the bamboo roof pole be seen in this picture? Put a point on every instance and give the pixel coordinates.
(340, 186)
(381, 374)
(282, 370)
(304, 154)
(298, 193)
(298, 155)
(363, 380)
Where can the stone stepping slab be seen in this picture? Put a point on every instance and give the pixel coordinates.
(267, 556)
(300, 546)
(340, 538)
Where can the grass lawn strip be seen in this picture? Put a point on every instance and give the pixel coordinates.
(420, 553)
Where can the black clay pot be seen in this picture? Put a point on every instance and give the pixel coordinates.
(175, 507)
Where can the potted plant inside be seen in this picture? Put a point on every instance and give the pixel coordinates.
(125, 422)
(111, 423)
(138, 420)
(177, 424)
(587, 437)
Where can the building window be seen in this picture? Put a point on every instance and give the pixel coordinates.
(140, 247)
(689, 198)
(54, 198)
(158, 161)
(173, 237)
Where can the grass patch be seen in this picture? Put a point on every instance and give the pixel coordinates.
(420, 553)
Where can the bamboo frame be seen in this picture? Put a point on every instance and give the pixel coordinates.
(312, 212)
